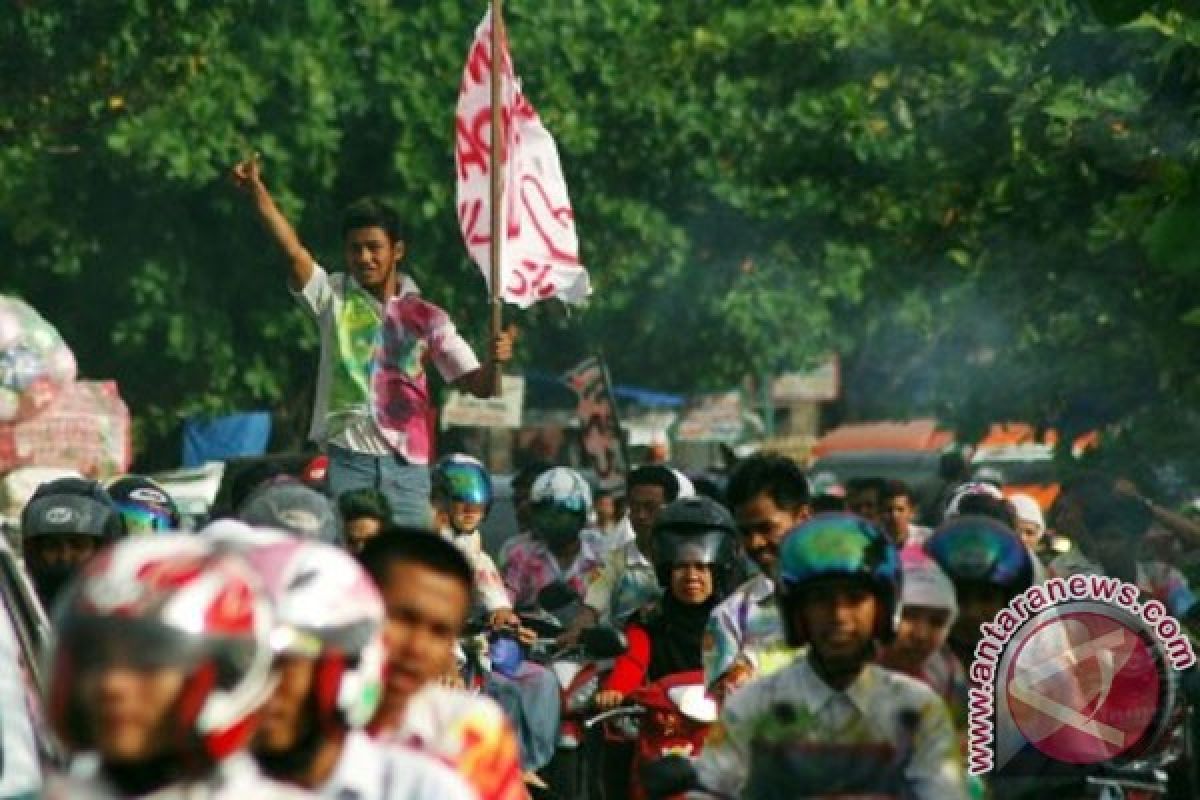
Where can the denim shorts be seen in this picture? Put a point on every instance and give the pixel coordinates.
(406, 486)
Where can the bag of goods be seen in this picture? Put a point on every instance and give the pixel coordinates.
(86, 429)
(35, 363)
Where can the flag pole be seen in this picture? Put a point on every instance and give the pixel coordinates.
(497, 188)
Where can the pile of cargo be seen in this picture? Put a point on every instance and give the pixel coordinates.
(50, 422)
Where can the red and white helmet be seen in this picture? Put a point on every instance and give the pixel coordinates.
(327, 609)
(169, 601)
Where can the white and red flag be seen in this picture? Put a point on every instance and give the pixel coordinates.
(539, 251)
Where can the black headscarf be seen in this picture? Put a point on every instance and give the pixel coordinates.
(677, 636)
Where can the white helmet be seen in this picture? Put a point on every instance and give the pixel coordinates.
(328, 610)
(560, 501)
(170, 600)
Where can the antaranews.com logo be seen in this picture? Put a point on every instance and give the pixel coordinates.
(1078, 668)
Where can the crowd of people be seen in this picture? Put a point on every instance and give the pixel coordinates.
(316, 645)
(357, 639)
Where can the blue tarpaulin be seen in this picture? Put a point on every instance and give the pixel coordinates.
(223, 438)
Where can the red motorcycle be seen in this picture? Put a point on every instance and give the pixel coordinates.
(669, 717)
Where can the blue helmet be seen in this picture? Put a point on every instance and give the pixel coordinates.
(839, 546)
(462, 478)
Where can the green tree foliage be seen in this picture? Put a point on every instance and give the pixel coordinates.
(987, 207)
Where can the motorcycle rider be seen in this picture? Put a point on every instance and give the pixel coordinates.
(427, 587)
(160, 670)
(330, 656)
(627, 581)
(769, 495)
(1107, 529)
(988, 564)
(144, 505)
(833, 723)
(696, 559)
(562, 547)
(62, 526)
(364, 513)
(929, 609)
(462, 497)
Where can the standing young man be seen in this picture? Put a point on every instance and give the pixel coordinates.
(377, 333)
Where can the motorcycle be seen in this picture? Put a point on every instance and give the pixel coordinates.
(579, 669)
(667, 717)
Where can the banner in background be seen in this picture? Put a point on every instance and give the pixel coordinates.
(467, 411)
(600, 433)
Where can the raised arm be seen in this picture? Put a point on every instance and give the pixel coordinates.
(248, 178)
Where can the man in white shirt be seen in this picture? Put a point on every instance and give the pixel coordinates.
(372, 403)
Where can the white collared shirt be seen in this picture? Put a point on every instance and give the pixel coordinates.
(370, 770)
(235, 778)
(886, 735)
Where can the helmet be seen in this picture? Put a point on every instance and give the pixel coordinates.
(971, 489)
(65, 507)
(697, 530)
(839, 545)
(463, 479)
(925, 584)
(71, 506)
(169, 601)
(145, 506)
(559, 501)
(288, 504)
(993, 476)
(981, 550)
(327, 609)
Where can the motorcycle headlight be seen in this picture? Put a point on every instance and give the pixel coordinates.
(580, 698)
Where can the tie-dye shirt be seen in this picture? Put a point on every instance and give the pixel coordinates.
(529, 566)
(468, 732)
(745, 627)
(791, 735)
(372, 392)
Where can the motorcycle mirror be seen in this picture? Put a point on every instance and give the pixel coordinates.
(554, 596)
(668, 776)
(603, 641)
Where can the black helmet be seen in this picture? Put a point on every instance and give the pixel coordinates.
(145, 506)
(697, 530)
(72, 506)
(289, 505)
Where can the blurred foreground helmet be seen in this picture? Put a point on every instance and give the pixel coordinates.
(289, 505)
(167, 602)
(328, 610)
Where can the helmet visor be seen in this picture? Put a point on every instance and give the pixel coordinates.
(141, 519)
(834, 545)
(674, 549)
(467, 485)
(980, 549)
(554, 523)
